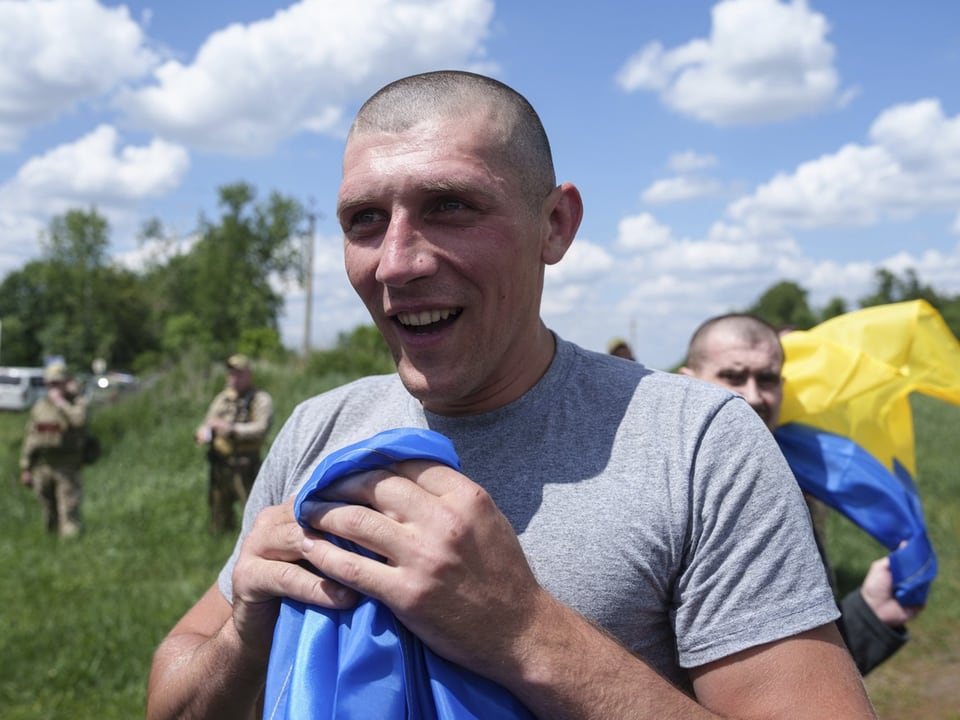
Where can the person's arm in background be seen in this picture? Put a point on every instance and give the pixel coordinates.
(73, 408)
(873, 623)
(211, 422)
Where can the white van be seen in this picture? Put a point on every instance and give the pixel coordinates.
(20, 387)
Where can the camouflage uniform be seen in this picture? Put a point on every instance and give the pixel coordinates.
(52, 452)
(234, 455)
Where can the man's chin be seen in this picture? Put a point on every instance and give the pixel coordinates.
(432, 387)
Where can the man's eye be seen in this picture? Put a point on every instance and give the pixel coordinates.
(768, 381)
(367, 216)
(450, 204)
(734, 379)
(363, 218)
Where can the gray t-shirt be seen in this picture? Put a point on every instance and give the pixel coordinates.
(657, 506)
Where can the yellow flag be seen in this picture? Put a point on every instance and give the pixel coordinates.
(852, 375)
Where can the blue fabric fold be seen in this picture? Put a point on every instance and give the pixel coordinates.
(885, 504)
(363, 663)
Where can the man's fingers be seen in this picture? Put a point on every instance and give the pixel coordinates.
(371, 529)
(274, 563)
(405, 491)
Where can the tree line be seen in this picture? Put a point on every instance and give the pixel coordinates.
(218, 295)
(785, 304)
(214, 297)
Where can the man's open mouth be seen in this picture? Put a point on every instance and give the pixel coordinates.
(428, 321)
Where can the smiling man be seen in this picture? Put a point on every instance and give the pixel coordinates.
(621, 543)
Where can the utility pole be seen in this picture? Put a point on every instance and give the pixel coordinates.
(308, 279)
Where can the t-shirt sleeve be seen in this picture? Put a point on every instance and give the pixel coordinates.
(751, 574)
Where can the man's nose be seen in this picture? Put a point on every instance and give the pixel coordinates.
(405, 254)
(751, 393)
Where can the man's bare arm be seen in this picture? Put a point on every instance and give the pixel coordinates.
(213, 662)
(201, 670)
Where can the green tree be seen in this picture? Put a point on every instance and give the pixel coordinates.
(75, 249)
(785, 304)
(362, 351)
(182, 332)
(24, 305)
(261, 342)
(889, 288)
(226, 280)
(73, 302)
(835, 306)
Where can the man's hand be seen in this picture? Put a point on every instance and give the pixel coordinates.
(26, 478)
(454, 571)
(268, 568)
(877, 592)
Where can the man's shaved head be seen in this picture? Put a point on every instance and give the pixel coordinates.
(743, 353)
(520, 136)
(748, 328)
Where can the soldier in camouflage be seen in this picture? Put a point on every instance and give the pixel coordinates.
(53, 447)
(234, 428)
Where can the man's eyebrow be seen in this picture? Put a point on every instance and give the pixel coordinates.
(353, 201)
(433, 187)
(446, 186)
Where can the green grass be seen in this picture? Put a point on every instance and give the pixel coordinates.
(79, 620)
(920, 681)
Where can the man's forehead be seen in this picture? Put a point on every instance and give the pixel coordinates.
(387, 162)
(733, 351)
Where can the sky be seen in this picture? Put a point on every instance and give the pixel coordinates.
(720, 147)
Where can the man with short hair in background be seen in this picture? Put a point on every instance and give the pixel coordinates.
(235, 428)
(52, 453)
(743, 353)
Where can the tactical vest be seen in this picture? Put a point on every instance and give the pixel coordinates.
(237, 410)
(50, 435)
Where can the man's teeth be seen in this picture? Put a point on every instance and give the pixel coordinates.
(424, 317)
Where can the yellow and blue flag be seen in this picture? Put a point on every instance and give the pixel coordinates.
(847, 428)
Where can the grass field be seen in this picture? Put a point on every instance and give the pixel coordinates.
(79, 620)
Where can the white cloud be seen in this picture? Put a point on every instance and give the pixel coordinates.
(764, 61)
(584, 261)
(642, 232)
(95, 171)
(678, 189)
(922, 139)
(252, 85)
(690, 161)
(57, 53)
(913, 167)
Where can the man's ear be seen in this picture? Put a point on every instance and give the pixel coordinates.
(565, 211)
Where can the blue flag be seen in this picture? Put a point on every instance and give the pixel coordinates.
(362, 663)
